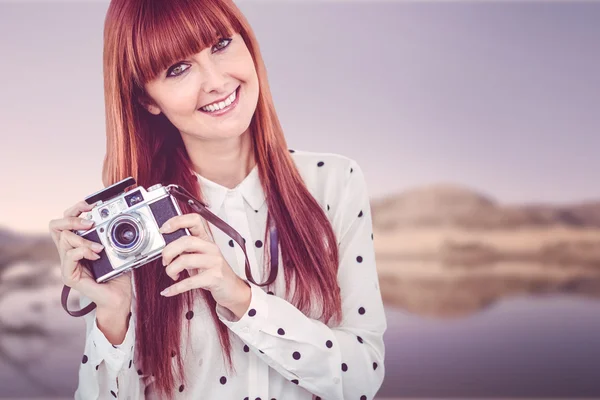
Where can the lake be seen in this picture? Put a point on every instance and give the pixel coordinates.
(543, 346)
(520, 347)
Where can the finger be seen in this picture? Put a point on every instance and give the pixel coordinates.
(72, 258)
(194, 282)
(189, 261)
(192, 221)
(78, 208)
(188, 244)
(56, 226)
(70, 223)
(69, 240)
(74, 211)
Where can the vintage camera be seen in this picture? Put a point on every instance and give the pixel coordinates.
(127, 224)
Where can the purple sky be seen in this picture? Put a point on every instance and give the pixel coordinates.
(501, 97)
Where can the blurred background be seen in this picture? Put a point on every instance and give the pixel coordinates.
(477, 125)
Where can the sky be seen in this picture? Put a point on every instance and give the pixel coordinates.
(499, 97)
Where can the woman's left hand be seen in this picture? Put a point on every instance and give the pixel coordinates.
(203, 260)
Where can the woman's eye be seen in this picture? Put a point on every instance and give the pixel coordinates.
(176, 68)
(223, 40)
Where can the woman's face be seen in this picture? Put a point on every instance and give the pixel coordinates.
(183, 90)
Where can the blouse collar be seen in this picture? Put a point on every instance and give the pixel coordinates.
(250, 188)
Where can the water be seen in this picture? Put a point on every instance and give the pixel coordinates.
(521, 347)
(544, 346)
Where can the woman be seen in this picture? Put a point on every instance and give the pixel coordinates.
(188, 103)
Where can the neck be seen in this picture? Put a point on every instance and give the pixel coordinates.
(226, 162)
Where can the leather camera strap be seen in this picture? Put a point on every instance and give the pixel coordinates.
(198, 206)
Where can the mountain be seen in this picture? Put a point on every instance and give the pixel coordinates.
(448, 205)
(443, 250)
(20, 248)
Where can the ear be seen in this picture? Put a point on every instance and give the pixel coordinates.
(148, 105)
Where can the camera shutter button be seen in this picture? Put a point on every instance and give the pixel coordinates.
(153, 187)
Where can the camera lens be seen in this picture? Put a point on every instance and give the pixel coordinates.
(125, 234)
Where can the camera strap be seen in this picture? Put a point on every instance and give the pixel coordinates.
(183, 195)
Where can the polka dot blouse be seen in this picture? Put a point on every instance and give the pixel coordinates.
(278, 351)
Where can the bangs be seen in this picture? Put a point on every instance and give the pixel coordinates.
(168, 31)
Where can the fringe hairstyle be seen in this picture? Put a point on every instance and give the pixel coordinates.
(141, 39)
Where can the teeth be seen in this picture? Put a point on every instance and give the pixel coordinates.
(221, 105)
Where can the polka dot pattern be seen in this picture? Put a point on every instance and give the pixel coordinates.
(292, 338)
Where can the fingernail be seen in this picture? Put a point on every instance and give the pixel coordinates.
(165, 228)
(97, 246)
(164, 292)
(87, 222)
(96, 256)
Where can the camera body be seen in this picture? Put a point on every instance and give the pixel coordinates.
(127, 225)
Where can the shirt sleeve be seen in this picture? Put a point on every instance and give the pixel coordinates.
(107, 371)
(335, 363)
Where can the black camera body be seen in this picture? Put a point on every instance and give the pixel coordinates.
(127, 225)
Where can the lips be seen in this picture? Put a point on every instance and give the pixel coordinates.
(220, 100)
(227, 110)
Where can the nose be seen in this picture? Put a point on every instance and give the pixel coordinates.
(212, 77)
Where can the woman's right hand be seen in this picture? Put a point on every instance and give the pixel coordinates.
(114, 294)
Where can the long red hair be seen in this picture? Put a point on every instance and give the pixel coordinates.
(141, 39)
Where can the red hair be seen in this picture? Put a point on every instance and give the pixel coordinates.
(141, 39)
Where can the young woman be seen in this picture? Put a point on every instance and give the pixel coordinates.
(188, 103)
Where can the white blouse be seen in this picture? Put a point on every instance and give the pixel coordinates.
(278, 351)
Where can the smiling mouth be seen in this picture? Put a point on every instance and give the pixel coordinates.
(216, 107)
